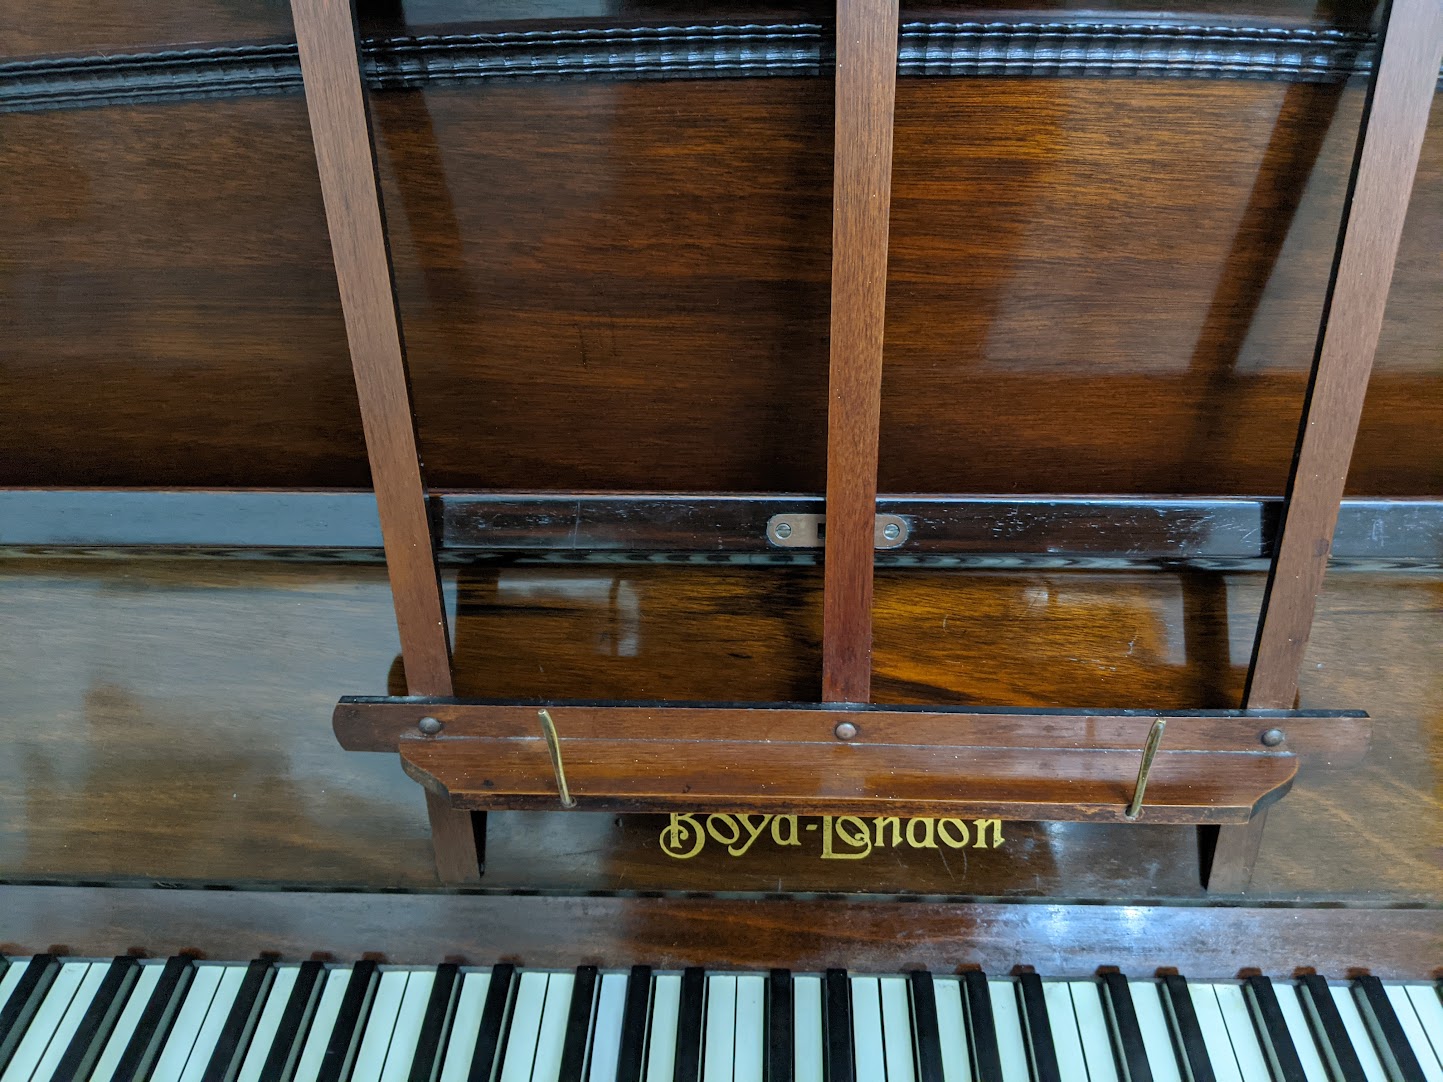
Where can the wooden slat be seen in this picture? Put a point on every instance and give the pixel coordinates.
(340, 128)
(1372, 227)
(861, 203)
(737, 933)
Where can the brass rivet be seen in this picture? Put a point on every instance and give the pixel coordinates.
(429, 725)
(1273, 737)
(845, 730)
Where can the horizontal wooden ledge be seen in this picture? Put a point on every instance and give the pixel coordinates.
(784, 758)
(869, 936)
(714, 526)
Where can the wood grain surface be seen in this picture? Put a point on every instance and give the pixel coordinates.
(164, 301)
(1056, 940)
(866, 86)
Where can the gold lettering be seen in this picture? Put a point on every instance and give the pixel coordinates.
(791, 836)
(752, 835)
(682, 831)
(963, 835)
(881, 825)
(981, 825)
(827, 852)
(727, 821)
(929, 827)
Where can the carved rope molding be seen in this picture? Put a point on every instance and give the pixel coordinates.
(1017, 48)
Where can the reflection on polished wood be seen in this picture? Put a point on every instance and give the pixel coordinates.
(163, 300)
(168, 720)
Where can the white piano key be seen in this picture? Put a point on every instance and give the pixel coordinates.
(1214, 1032)
(1430, 1013)
(79, 1004)
(525, 1028)
(806, 1029)
(269, 1021)
(409, 1019)
(173, 1057)
(11, 978)
(719, 1041)
(1358, 1034)
(1414, 1031)
(125, 1025)
(1156, 1037)
(661, 1048)
(751, 1028)
(380, 1024)
(46, 1020)
(1252, 1062)
(1300, 1031)
(214, 1021)
(867, 1028)
(551, 1037)
(313, 1054)
(897, 1029)
(470, 1003)
(1092, 1028)
(606, 1031)
(1007, 1021)
(952, 1030)
(1071, 1065)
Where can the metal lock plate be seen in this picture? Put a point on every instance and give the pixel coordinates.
(809, 531)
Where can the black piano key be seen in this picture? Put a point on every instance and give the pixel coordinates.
(1397, 1055)
(631, 1056)
(926, 1037)
(578, 1025)
(838, 1063)
(1187, 1038)
(1037, 1030)
(436, 1025)
(295, 1024)
(350, 1022)
(1272, 1028)
(94, 1031)
(1127, 1043)
(981, 1026)
(234, 1039)
(155, 1024)
(1328, 1030)
(491, 1035)
(780, 1053)
(691, 1013)
(24, 1001)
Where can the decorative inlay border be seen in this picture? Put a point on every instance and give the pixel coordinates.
(1015, 48)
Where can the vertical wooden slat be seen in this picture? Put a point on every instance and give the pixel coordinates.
(340, 128)
(1387, 159)
(861, 204)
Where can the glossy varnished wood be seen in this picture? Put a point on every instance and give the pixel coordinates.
(560, 932)
(148, 241)
(866, 86)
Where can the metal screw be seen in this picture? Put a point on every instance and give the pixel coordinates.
(845, 730)
(784, 530)
(891, 531)
(429, 725)
(1273, 737)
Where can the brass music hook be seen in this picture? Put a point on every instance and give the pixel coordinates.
(1149, 752)
(553, 744)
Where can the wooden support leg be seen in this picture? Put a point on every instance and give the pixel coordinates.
(345, 159)
(1382, 183)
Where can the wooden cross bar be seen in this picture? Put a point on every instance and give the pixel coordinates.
(345, 158)
(1386, 160)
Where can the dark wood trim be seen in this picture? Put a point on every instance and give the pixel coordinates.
(1118, 49)
(867, 935)
(1136, 530)
(345, 157)
(866, 90)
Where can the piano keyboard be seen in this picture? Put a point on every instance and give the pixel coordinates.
(187, 1021)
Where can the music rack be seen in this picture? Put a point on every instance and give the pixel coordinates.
(1217, 770)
